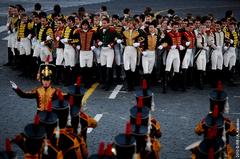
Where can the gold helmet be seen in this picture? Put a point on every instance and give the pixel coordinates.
(46, 71)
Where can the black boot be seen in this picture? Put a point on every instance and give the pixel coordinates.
(230, 78)
(67, 73)
(184, 79)
(57, 75)
(128, 80)
(108, 79)
(10, 57)
(165, 80)
(89, 77)
(119, 74)
(175, 80)
(213, 77)
(200, 79)
(103, 76)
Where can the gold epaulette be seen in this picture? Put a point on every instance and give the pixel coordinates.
(30, 25)
(199, 128)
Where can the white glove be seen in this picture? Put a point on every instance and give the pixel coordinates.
(100, 43)
(29, 36)
(8, 24)
(109, 46)
(64, 40)
(205, 48)
(181, 47)
(225, 48)
(144, 53)
(136, 44)
(57, 38)
(160, 47)
(9, 32)
(42, 43)
(119, 41)
(93, 47)
(78, 47)
(14, 86)
(231, 41)
(188, 43)
(173, 47)
(49, 38)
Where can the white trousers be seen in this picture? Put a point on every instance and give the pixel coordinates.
(230, 58)
(69, 55)
(107, 57)
(187, 59)
(25, 46)
(118, 58)
(173, 58)
(86, 58)
(217, 58)
(148, 62)
(44, 53)
(60, 57)
(201, 60)
(37, 49)
(130, 58)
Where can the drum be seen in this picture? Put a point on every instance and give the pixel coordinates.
(61, 109)
(147, 100)
(34, 135)
(77, 93)
(125, 147)
(145, 115)
(49, 121)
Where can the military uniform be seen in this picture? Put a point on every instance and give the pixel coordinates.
(12, 30)
(151, 44)
(44, 46)
(230, 54)
(107, 37)
(188, 37)
(200, 58)
(72, 40)
(130, 55)
(174, 41)
(174, 44)
(43, 95)
(86, 55)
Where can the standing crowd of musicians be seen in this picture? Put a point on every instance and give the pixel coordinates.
(169, 50)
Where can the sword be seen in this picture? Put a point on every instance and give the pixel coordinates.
(193, 145)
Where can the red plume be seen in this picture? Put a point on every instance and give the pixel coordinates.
(8, 146)
(60, 96)
(101, 149)
(139, 119)
(212, 132)
(211, 153)
(215, 111)
(140, 102)
(49, 106)
(47, 59)
(36, 119)
(219, 87)
(78, 82)
(128, 129)
(144, 84)
(71, 101)
(108, 152)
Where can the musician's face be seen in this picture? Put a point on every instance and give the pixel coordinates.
(104, 24)
(175, 28)
(46, 83)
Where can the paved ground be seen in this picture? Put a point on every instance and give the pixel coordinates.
(178, 112)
